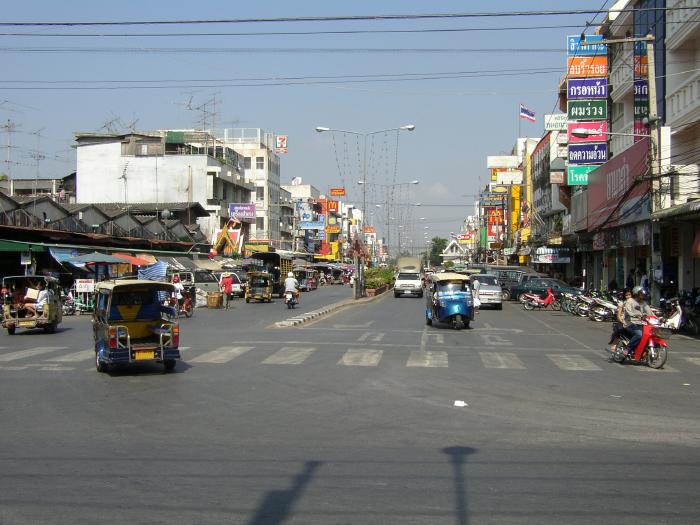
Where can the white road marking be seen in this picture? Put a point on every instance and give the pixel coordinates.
(360, 357)
(221, 355)
(56, 368)
(501, 360)
(289, 356)
(374, 337)
(694, 360)
(23, 354)
(439, 338)
(666, 368)
(495, 340)
(433, 359)
(573, 362)
(363, 325)
(82, 355)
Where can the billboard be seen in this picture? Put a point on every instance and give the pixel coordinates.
(244, 211)
(587, 88)
(337, 192)
(587, 109)
(617, 180)
(578, 175)
(587, 66)
(590, 47)
(502, 161)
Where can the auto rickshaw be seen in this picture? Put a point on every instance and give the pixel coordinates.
(130, 326)
(31, 301)
(306, 277)
(259, 287)
(449, 300)
(337, 276)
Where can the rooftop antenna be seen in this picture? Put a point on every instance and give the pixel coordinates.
(9, 128)
(38, 157)
(112, 125)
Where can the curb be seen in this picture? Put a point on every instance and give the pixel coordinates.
(315, 314)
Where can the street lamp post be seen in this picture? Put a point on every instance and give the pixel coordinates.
(359, 262)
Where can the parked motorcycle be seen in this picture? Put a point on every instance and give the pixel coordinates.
(601, 310)
(652, 349)
(533, 301)
(68, 307)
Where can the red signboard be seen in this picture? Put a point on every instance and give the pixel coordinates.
(332, 206)
(337, 192)
(369, 229)
(599, 131)
(614, 188)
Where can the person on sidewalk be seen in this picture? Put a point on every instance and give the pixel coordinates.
(629, 283)
(226, 287)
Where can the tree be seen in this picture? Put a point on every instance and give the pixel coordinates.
(448, 265)
(438, 245)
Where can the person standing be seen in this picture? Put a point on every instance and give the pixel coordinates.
(629, 283)
(476, 287)
(644, 280)
(226, 287)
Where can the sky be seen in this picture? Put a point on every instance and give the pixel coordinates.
(462, 99)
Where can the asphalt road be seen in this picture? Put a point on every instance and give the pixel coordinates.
(351, 419)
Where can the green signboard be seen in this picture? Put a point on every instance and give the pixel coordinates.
(641, 109)
(578, 175)
(587, 109)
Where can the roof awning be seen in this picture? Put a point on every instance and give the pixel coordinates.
(135, 261)
(62, 255)
(689, 208)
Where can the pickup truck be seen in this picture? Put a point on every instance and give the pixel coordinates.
(408, 283)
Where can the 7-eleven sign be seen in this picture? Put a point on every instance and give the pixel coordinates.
(281, 143)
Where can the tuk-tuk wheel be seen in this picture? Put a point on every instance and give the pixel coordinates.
(100, 365)
(169, 365)
(428, 321)
(50, 328)
(11, 330)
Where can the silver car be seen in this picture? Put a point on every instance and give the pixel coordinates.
(489, 290)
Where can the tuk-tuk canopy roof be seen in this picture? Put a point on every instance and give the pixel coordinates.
(134, 283)
(449, 276)
(20, 278)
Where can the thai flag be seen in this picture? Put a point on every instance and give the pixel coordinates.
(527, 114)
(453, 236)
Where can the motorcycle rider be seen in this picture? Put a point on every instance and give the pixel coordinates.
(292, 285)
(635, 308)
(618, 325)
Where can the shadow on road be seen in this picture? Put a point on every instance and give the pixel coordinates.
(277, 505)
(458, 458)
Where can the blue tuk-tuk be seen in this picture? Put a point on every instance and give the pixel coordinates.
(450, 300)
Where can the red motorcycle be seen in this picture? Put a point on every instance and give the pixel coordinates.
(187, 306)
(652, 349)
(531, 301)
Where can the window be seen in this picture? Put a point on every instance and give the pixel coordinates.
(204, 277)
(260, 223)
(260, 193)
(259, 163)
(247, 163)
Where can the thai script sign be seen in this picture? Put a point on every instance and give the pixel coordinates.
(587, 67)
(593, 131)
(242, 211)
(591, 45)
(337, 192)
(587, 88)
(313, 225)
(641, 88)
(587, 109)
(555, 121)
(333, 229)
(588, 153)
(578, 175)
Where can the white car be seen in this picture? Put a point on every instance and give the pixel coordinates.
(490, 293)
(408, 284)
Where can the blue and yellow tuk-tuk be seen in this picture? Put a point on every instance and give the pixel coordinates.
(130, 326)
(449, 300)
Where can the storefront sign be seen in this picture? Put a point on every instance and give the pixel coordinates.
(641, 66)
(615, 180)
(641, 109)
(556, 177)
(333, 229)
(555, 121)
(599, 131)
(587, 109)
(641, 88)
(578, 175)
(587, 67)
(590, 47)
(84, 285)
(337, 192)
(369, 229)
(244, 211)
(313, 225)
(587, 88)
(548, 255)
(588, 153)
(332, 206)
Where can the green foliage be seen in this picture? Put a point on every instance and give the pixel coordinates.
(376, 277)
(448, 264)
(438, 245)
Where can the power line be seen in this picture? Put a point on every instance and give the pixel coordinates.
(340, 18)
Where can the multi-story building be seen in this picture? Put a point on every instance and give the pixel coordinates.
(262, 166)
(160, 167)
(307, 209)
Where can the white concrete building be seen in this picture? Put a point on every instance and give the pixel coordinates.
(162, 166)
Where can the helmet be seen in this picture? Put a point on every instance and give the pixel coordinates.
(637, 290)
(290, 274)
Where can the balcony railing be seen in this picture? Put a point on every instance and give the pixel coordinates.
(621, 73)
(683, 104)
(681, 22)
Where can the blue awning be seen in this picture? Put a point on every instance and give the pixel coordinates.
(62, 255)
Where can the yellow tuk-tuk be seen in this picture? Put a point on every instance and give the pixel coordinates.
(129, 324)
(31, 301)
(259, 287)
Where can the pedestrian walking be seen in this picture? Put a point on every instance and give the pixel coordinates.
(226, 286)
(629, 283)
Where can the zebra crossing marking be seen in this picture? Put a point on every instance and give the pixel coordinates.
(361, 357)
(374, 337)
(427, 359)
(495, 340)
(31, 352)
(501, 360)
(221, 355)
(82, 355)
(573, 362)
(289, 356)
(693, 360)
(665, 368)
